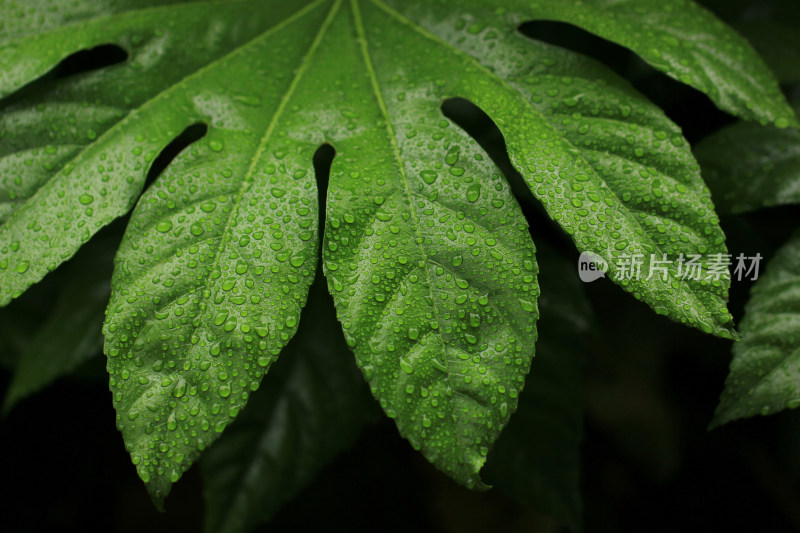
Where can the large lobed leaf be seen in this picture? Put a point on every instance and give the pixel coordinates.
(426, 253)
(107, 119)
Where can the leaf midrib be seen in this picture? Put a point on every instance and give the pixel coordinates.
(363, 43)
(248, 177)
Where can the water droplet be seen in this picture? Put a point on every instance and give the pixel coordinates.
(429, 176)
(474, 192)
(406, 366)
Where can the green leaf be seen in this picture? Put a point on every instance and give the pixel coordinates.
(71, 334)
(312, 405)
(426, 252)
(94, 137)
(748, 167)
(131, 123)
(216, 262)
(219, 253)
(608, 166)
(764, 377)
(133, 107)
(685, 41)
(536, 459)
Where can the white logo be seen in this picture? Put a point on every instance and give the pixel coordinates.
(591, 267)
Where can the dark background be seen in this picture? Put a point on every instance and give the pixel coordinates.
(651, 386)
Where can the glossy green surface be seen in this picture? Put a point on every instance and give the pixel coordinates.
(426, 253)
(93, 137)
(607, 165)
(685, 41)
(427, 256)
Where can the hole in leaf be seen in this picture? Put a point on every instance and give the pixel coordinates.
(95, 58)
(190, 135)
(80, 62)
(482, 128)
(692, 110)
(565, 35)
(323, 158)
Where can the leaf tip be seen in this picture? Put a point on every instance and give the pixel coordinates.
(720, 324)
(472, 480)
(157, 497)
(480, 486)
(721, 417)
(789, 120)
(9, 402)
(158, 488)
(728, 331)
(14, 394)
